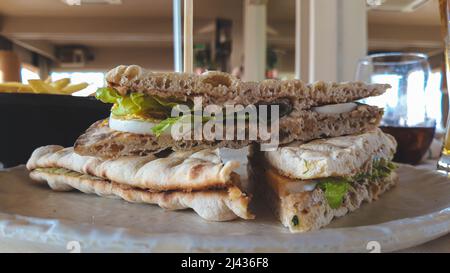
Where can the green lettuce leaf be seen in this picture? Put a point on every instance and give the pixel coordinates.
(136, 103)
(150, 108)
(107, 95)
(166, 102)
(125, 106)
(335, 189)
(147, 105)
(144, 102)
(164, 125)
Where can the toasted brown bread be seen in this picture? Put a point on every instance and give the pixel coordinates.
(101, 141)
(222, 88)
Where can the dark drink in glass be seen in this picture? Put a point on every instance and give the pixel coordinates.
(413, 142)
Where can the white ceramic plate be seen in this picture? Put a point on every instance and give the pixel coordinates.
(414, 212)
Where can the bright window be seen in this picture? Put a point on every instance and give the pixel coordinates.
(94, 79)
(28, 73)
(432, 97)
(390, 98)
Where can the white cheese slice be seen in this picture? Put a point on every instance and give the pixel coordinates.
(296, 187)
(133, 126)
(283, 185)
(336, 108)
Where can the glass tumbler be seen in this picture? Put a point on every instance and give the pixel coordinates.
(405, 103)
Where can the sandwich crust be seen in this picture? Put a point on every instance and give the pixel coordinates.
(213, 205)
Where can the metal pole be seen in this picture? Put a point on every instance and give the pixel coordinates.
(177, 46)
(298, 40)
(188, 36)
(255, 41)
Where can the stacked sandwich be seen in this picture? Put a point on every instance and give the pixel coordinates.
(124, 156)
(140, 119)
(307, 185)
(133, 154)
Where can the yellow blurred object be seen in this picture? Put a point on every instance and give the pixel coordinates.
(25, 89)
(74, 88)
(6, 89)
(39, 86)
(60, 84)
(61, 87)
(14, 86)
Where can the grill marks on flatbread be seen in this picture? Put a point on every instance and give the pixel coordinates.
(332, 157)
(197, 180)
(185, 171)
(213, 205)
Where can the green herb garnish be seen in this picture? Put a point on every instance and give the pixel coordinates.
(335, 189)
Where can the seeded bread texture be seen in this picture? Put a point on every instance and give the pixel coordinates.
(222, 88)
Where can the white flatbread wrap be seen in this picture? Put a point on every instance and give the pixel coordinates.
(185, 171)
(183, 180)
(339, 156)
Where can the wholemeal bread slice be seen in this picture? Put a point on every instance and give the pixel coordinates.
(184, 171)
(302, 126)
(101, 141)
(213, 205)
(222, 88)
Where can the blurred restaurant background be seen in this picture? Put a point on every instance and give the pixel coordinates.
(252, 39)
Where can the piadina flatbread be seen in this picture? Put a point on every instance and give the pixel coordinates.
(200, 180)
